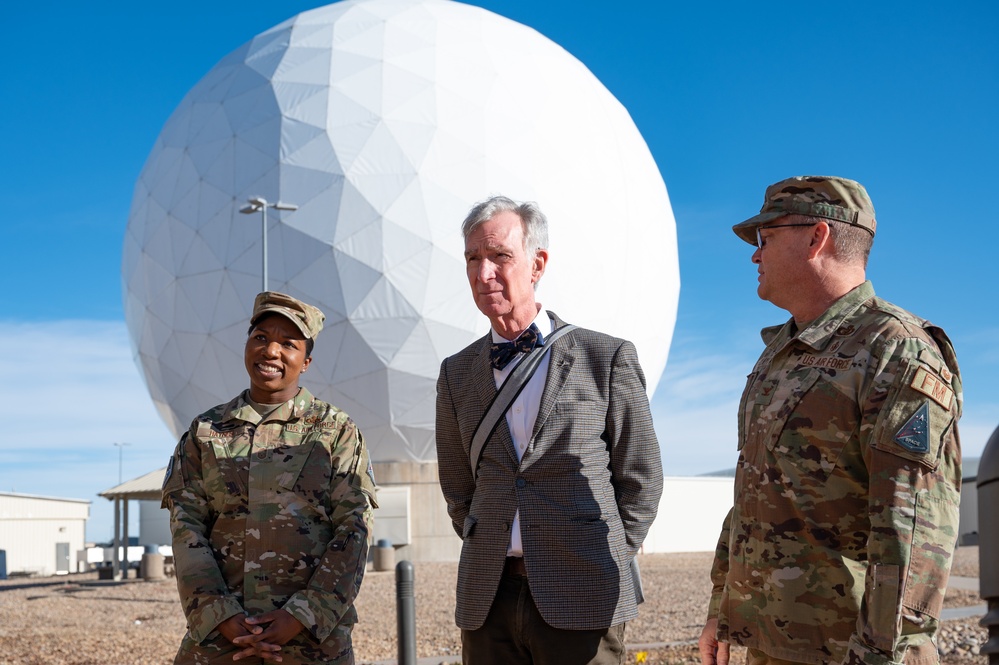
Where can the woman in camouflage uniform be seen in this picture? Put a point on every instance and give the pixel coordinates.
(270, 499)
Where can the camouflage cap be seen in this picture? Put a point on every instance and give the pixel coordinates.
(828, 197)
(307, 318)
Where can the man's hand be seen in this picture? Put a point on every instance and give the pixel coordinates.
(269, 631)
(712, 651)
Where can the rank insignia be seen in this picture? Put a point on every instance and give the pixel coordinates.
(915, 433)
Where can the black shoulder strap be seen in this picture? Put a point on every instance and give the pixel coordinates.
(508, 392)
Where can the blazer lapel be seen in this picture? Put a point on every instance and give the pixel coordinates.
(560, 362)
(482, 375)
(485, 388)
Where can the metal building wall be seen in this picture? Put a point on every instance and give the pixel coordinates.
(968, 526)
(154, 524)
(31, 527)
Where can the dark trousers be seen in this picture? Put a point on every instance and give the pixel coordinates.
(514, 633)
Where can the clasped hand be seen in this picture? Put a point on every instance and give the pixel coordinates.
(262, 635)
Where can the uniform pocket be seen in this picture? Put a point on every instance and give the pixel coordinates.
(311, 479)
(744, 414)
(786, 397)
(933, 541)
(883, 605)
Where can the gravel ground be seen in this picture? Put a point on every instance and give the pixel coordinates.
(81, 621)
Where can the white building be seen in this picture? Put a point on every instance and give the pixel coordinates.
(41, 535)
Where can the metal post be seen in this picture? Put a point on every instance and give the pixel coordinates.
(263, 216)
(121, 449)
(258, 203)
(124, 528)
(988, 543)
(405, 612)
(116, 541)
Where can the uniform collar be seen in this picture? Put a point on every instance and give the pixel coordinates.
(239, 408)
(819, 332)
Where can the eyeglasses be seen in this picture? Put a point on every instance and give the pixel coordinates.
(760, 242)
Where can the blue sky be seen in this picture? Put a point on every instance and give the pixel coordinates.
(730, 97)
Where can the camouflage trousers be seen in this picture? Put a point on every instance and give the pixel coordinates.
(757, 657)
(300, 650)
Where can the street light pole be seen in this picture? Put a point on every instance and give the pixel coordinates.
(121, 449)
(260, 204)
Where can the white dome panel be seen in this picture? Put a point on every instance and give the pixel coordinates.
(384, 121)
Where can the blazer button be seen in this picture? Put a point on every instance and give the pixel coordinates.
(506, 526)
(521, 482)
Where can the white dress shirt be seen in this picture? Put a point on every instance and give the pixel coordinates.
(523, 412)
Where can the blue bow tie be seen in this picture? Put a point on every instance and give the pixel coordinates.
(501, 354)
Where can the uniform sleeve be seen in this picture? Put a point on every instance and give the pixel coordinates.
(457, 484)
(719, 568)
(333, 586)
(909, 435)
(636, 463)
(206, 599)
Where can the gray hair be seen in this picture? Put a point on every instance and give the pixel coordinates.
(533, 220)
(852, 243)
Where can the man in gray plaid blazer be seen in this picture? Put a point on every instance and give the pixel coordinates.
(569, 482)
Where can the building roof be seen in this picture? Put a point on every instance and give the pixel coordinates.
(144, 488)
(18, 495)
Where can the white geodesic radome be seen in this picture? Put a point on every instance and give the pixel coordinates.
(385, 121)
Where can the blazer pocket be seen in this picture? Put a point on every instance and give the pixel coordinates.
(469, 526)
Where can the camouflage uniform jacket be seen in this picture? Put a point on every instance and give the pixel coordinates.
(840, 541)
(270, 513)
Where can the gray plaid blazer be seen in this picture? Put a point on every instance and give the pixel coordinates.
(588, 486)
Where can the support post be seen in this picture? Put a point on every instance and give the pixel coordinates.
(405, 612)
(124, 528)
(988, 543)
(116, 541)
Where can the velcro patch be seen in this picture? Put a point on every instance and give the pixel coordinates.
(832, 362)
(933, 387)
(169, 471)
(915, 433)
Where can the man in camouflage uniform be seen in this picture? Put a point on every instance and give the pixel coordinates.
(839, 544)
(270, 500)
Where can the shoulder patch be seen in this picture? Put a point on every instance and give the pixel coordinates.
(169, 471)
(915, 433)
(933, 387)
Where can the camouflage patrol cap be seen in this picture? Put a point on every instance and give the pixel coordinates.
(828, 197)
(307, 318)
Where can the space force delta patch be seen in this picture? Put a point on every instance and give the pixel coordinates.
(915, 433)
